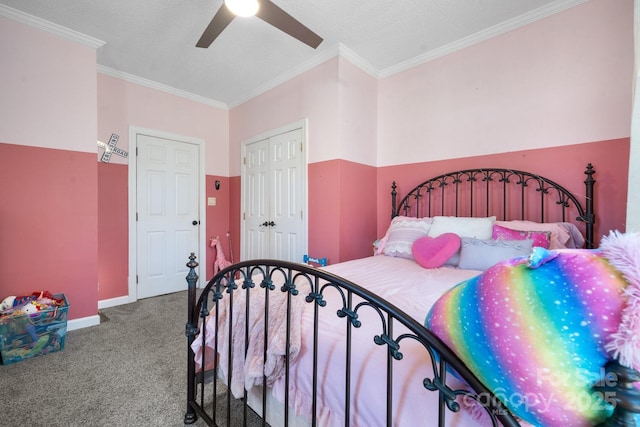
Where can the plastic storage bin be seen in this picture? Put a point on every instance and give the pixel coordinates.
(28, 335)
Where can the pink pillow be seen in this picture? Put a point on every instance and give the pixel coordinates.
(540, 238)
(433, 252)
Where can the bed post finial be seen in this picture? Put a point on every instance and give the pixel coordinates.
(192, 276)
(589, 217)
(192, 281)
(191, 330)
(393, 200)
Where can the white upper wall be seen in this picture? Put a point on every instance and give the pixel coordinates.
(562, 80)
(633, 198)
(312, 95)
(357, 104)
(46, 85)
(122, 104)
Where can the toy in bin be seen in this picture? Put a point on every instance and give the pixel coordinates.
(32, 325)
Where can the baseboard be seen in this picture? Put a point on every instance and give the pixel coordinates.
(112, 302)
(94, 320)
(83, 322)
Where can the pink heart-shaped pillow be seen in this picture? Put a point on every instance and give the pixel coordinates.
(433, 252)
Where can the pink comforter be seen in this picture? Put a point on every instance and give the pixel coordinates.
(400, 281)
(411, 288)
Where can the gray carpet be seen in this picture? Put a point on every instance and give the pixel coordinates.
(128, 371)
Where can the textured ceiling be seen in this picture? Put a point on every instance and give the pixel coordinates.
(155, 39)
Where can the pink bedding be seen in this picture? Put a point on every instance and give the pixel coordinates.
(413, 289)
(250, 372)
(400, 281)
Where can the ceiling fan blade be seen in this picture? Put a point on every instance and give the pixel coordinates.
(221, 19)
(280, 19)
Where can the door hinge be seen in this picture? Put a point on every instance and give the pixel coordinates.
(136, 279)
(244, 160)
(301, 147)
(244, 216)
(136, 151)
(136, 216)
(301, 217)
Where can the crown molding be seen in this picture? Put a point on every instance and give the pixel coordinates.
(159, 86)
(496, 30)
(282, 78)
(358, 61)
(59, 30)
(335, 50)
(345, 52)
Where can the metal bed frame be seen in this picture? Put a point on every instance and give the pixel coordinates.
(488, 191)
(281, 276)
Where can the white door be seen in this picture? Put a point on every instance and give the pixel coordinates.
(256, 195)
(274, 204)
(167, 213)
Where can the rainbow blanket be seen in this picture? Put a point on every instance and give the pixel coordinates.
(535, 330)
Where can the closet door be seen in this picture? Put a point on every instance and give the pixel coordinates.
(256, 196)
(285, 201)
(273, 198)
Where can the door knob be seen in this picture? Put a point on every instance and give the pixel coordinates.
(271, 223)
(264, 224)
(194, 222)
(268, 224)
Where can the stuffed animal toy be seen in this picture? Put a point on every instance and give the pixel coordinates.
(221, 261)
(30, 308)
(7, 303)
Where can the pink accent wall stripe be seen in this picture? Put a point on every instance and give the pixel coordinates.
(218, 221)
(564, 165)
(113, 231)
(49, 225)
(341, 210)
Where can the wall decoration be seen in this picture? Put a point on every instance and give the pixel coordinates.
(111, 148)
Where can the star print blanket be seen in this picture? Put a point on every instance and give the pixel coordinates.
(538, 330)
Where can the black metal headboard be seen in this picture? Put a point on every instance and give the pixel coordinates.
(506, 193)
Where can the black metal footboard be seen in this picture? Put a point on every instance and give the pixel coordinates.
(302, 281)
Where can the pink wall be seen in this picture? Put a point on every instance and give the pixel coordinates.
(235, 188)
(49, 209)
(563, 80)
(535, 87)
(557, 90)
(113, 224)
(325, 218)
(358, 119)
(48, 224)
(113, 237)
(218, 219)
(564, 165)
(357, 218)
(339, 101)
(122, 104)
(312, 95)
(48, 90)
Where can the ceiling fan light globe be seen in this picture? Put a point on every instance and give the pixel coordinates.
(242, 7)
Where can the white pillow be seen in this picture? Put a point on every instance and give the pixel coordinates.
(478, 254)
(478, 228)
(401, 234)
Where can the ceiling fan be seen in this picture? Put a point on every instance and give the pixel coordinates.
(263, 9)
